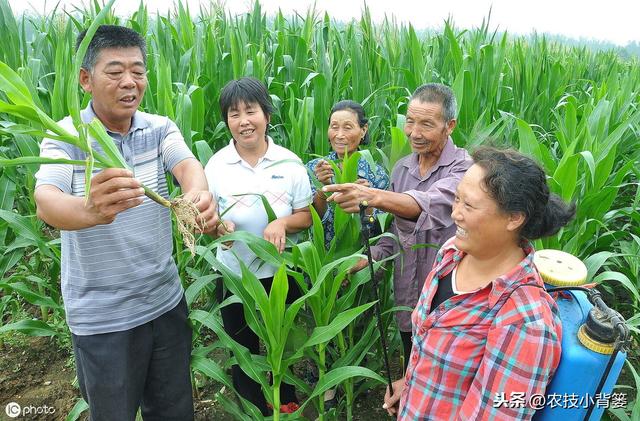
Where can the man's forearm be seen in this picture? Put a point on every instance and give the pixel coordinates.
(399, 204)
(61, 210)
(190, 176)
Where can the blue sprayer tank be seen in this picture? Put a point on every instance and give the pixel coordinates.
(588, 344)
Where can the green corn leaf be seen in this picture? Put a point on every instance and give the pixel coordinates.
(114, 157)
(318, 231)
(200, 283)
(9, 260)
(211, 369)
(338, 376)
(596, 261)
(26, 160)
(530, 146)
(7, 197)
(232, 408)
(619, 277)
(14, 87)
(30, 327)
(242, 354)
(23, 226)
(323, 334)
(566, 175)
(72, 87)
(357, 352)
(277, 298)
(203, 151)
(399, 147)
(587, 156)
(257, 292)
(77, 410)
(11, 128)
(21, 111)
(271, 215)
(28, 294)
(263, 249)
(234, 283)
(309, 258)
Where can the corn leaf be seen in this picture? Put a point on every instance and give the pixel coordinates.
(30, 327)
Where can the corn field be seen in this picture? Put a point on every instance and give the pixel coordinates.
(575, 111)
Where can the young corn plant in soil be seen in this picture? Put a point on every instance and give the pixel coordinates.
(91, 137)
(275, 324)
(339, 294)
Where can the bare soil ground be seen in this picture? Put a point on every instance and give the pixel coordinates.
(36, 371)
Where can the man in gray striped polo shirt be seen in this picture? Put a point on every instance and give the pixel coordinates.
(123, 299)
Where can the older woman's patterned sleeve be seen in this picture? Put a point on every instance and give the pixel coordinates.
(380, 178)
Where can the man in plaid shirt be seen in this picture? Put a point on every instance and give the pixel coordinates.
(478, 339)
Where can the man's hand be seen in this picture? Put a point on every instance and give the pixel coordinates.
(206, 204)
(113, 190)
(391, 402)
(349, 196)
(324, 172)
(276, 234)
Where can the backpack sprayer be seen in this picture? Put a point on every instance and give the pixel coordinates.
(595, 340)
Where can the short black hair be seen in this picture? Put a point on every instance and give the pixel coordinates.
(358, 110)
(110, 36)
(438, 93)
(518, 184)
(247, 90)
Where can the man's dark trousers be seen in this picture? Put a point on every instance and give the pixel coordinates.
(147, 367)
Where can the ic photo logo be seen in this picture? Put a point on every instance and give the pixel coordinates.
(13, 410)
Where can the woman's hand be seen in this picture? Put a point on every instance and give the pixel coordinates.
(324, 172)
(391, 402)
(225, 227)
(276, 234)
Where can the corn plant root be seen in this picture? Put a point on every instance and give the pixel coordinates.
(187, 217)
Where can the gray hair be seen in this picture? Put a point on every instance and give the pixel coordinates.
(110, 36)
(438, 93)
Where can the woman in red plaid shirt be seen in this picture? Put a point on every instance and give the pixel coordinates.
(486, 335)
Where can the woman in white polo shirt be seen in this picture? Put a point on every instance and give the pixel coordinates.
(236, 174)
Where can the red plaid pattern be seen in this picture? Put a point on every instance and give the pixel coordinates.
(503, 340)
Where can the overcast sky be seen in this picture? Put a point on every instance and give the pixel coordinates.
(615, 21)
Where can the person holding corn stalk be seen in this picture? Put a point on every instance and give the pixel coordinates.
(123, 298)
(422, 189)
(262, 188)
